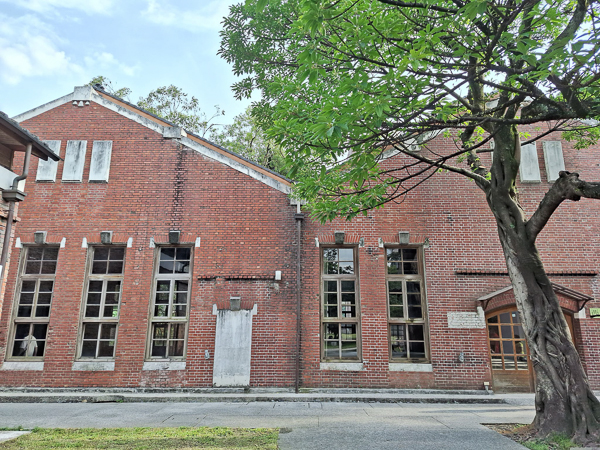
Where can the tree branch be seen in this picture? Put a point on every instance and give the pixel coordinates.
(567, 187)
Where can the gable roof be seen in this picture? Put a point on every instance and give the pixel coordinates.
(16, 138)
(168, 129)
(579, 297)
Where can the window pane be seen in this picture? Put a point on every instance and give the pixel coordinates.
(44, 298)
(508, 348)
(417, 349)
(101, 253)
(497, 362)
(176, 348)
(35, 254)
(396, 312)
(92, 311)
(331, 331)
(331, 268)
(95, 286)
(99, 267)
(42, 311)
(26, 298)
(495, 347)
(410, 268)
(504, 318)
(519, 333)
(393, 254)
(94, 298)
(115, 267)
(33, 267)
(346, 254)
(415, 333)
(117, 253)
(331, 311)
(108, 331)
(393, 268)
(409, 254)
(183, 253)
(399, 349)
(46, 286)
(106, 349)
(48, 267)
(346, 268)
(167, 254)
(395, 286)
(332, 349)
(331, 298)
(398, 332)
(415, 312)
(506, 332)
(88, 349)
(493, 319)
(347, 286)
(24, 311)
(493, 331)
(330, 286)
(90, 331)
(330, 254)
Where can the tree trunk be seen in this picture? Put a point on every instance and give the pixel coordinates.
(563, 399)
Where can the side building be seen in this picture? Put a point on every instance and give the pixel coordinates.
(151, 257)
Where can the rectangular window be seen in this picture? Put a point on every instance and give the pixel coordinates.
(340, 306)
(74, 161)
(102, 303)
(100, 163)
(32, 312)
(170, 305)
(46, 170)
(407, 308)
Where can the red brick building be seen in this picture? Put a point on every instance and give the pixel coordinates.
(153, 258)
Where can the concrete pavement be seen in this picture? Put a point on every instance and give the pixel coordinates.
(304, 425)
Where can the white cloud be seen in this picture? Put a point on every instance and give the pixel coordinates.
(29, 48)
(205, 18)
(100, 62)
(45, 6)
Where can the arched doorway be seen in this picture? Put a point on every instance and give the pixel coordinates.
(509, 354)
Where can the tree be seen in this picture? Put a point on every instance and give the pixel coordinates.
(351, 79)
(246, 138)
(107, 85)
(171, 103)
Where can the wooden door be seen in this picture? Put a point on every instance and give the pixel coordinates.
(509, 355)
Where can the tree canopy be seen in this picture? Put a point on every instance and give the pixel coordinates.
(351, 79)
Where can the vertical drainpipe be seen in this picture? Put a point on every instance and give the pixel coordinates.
(11, 211)
(299, 218)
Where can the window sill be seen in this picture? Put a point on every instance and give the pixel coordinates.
(164, 365)
(410, 367)
(22, 365)
(94, 366)
(343, 366)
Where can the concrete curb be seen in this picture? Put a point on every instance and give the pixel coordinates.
(42, 395)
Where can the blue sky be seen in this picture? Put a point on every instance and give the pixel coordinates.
(49, 46)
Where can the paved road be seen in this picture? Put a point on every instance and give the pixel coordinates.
(305, 426)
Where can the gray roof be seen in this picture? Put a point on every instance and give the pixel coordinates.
(14, 137)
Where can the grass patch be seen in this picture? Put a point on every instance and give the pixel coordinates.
(524, 435)
(146, 438)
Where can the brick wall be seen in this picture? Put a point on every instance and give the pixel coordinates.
(247, 232)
